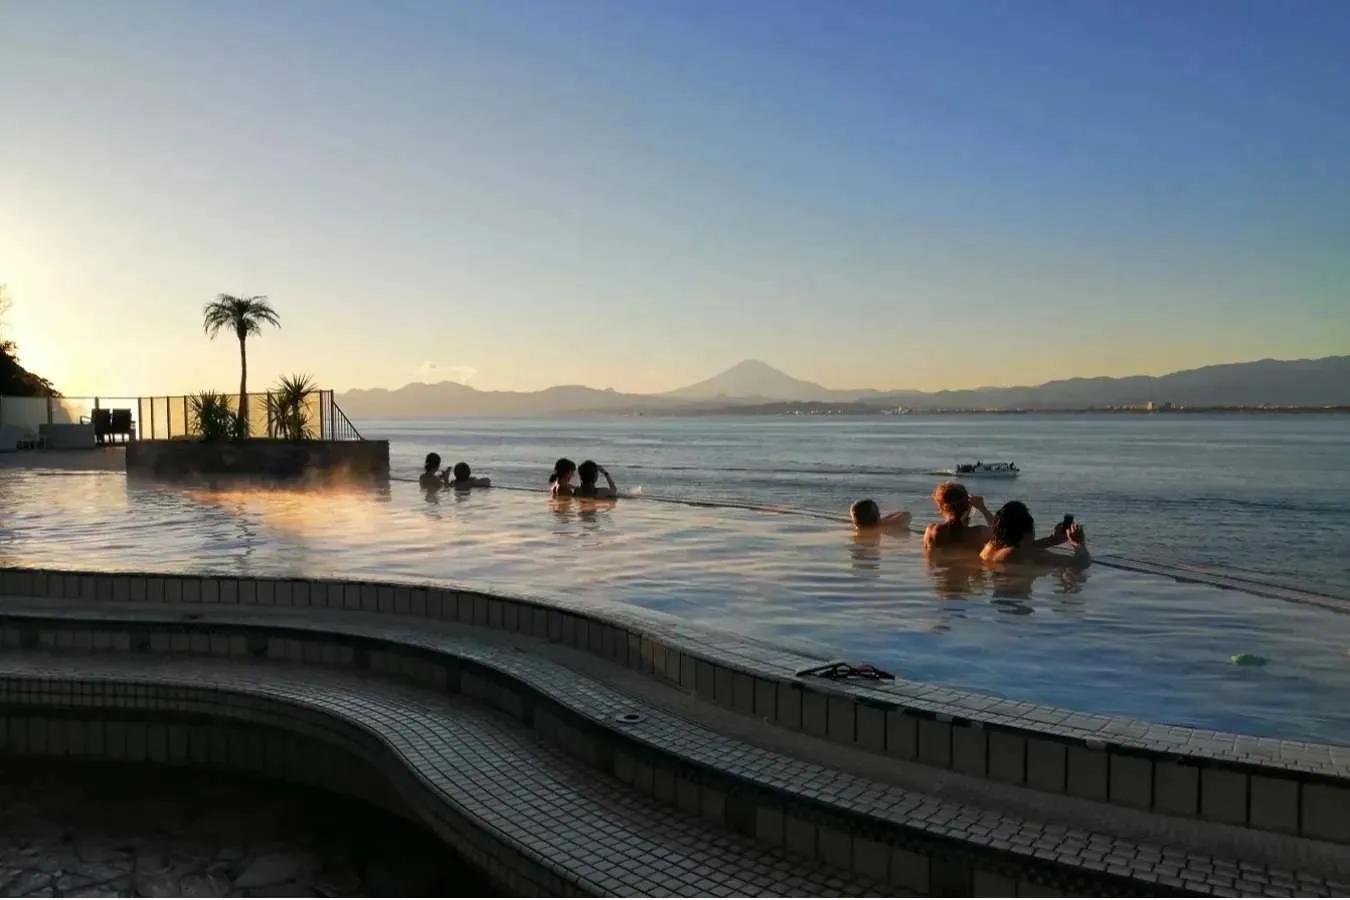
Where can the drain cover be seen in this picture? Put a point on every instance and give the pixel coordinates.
(629, 718)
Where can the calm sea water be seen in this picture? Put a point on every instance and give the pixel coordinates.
(1263, 498)
(1265, 495)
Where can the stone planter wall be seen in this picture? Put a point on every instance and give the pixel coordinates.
(261, 457)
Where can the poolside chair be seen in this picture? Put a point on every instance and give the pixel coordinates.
(102, 419)
(121, 425)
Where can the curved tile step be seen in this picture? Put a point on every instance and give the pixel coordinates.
(855, 804)
(528, 795)
(1273, 786)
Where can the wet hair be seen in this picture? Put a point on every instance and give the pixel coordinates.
(1012, 523)
(433, 462)
(462, 471)
(951, 497)
(561, 469)
(588, 472)
(865, 513)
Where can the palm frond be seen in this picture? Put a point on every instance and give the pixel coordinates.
(241, 315)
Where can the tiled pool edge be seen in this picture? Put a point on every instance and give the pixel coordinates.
(950, 853)
(1281, 786)
(133, 722)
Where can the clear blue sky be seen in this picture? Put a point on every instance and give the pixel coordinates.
(636, 194)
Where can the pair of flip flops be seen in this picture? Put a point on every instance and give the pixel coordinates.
(842, 671)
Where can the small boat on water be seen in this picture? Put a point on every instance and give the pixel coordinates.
(983, 469)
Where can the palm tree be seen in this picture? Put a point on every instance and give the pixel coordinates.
(244, 316)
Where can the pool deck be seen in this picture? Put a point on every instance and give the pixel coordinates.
(608, 751)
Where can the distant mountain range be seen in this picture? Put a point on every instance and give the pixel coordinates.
(1302, 382)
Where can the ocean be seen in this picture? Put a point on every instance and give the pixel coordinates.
(1261, 496)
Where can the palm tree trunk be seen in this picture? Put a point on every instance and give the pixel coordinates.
(243, 390)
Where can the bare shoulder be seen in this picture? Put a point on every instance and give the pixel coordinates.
(990, 553)
(930, 536)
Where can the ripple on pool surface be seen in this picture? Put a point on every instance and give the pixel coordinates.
(1107, 640)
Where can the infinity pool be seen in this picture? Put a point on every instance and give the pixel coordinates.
(1107, 640)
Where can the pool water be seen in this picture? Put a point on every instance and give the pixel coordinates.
(1106, 640)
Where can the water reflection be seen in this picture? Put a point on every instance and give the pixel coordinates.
(589, 514)
(866, 548)
(1017, 582)
(956, 574)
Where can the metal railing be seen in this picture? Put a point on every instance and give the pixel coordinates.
(334, 421)
(169, 418)
(172, 417)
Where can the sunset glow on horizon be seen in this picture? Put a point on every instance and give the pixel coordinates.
(517, 194)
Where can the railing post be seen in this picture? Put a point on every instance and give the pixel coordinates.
(323, 400)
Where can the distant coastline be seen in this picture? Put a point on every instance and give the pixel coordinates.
(860, 409)
(753, 388)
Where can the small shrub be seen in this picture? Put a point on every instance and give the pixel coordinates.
(288, 413)
(212, 416)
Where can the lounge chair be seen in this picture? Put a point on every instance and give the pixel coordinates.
(121, 425)
(102, 419)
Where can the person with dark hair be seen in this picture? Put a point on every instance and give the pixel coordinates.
(954, 503)
(1013, 539)
(560, 480)
(867, 514)
(463, 478)
(432, 478)
(590, 473)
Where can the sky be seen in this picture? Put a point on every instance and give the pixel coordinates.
(637, 194)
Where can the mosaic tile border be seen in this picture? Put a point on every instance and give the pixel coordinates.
(880, 831)
(289, 752)
(1289, 787)
(319, 754)
(518, 810)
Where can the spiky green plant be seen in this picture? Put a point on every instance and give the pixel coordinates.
(244, 316)
(288, 414)
(212, 417)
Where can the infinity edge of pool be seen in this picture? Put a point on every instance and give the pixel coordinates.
(1130, 643)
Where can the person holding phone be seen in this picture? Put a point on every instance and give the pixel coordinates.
(1014, 540)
